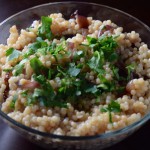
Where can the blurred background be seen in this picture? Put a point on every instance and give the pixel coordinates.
(137, 8)
(11, 140)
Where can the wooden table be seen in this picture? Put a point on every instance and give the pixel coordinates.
(11, 140)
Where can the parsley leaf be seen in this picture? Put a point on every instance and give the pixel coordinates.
(112, 107)
(92, 89)
(24, 93)
(9, 51)
(46, 96)
(97, 61)
(45, 84)
(12, 104)
(61, 70)
(106, 85)
(38, 67)
(8, 70)
(105, 45)
(43, 51)
(45, 31)
(130, 68)
(115, 71)
(113, 57)
(73, 70)
(35, 47)
(19, 67)
(91, 40)
(12, 54)
(78, 55)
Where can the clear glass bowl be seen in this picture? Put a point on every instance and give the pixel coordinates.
(23, 19)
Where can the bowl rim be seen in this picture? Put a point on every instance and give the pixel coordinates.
(66, 137)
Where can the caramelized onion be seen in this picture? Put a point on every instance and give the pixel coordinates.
(70, 45)
(29, 84)
(81, 20)
(106, 28)
(130, 86)
(7, 77)
(71, 49)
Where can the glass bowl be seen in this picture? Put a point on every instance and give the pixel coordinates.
(23, 19)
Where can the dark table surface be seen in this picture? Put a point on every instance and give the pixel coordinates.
(11, 140)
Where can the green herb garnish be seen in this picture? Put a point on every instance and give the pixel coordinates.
(73, 70)
(9, 51)
(112, 107)
(130, 68)
(24, 93)
(105, 44)
(12, 54)
(8, 70)
(38, 67)
(46, 96)
(12, 104)
(19, 67)
(97, 61)
(45, 31)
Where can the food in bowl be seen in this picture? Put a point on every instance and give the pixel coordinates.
(75, 77)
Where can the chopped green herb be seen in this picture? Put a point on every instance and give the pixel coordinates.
(8, 70)
(9, 51)
(92, 89)
(112, 107)
(113, 57)
(58, 50)
(50, 73)
(46, 96)
(24, 93)
(97, 61)
(28, 53)
(73, 70)
(43, 51)
(35, 47)
(12, 54)
(30, 100)
(19, 67)
(105, 44)
(130, 68)
(61, 70)
(91, 40)
(45, 30)
(115, 71)
(78, 55)
(38, 67)
(29, 29)
(12, 104)
(106, 85)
